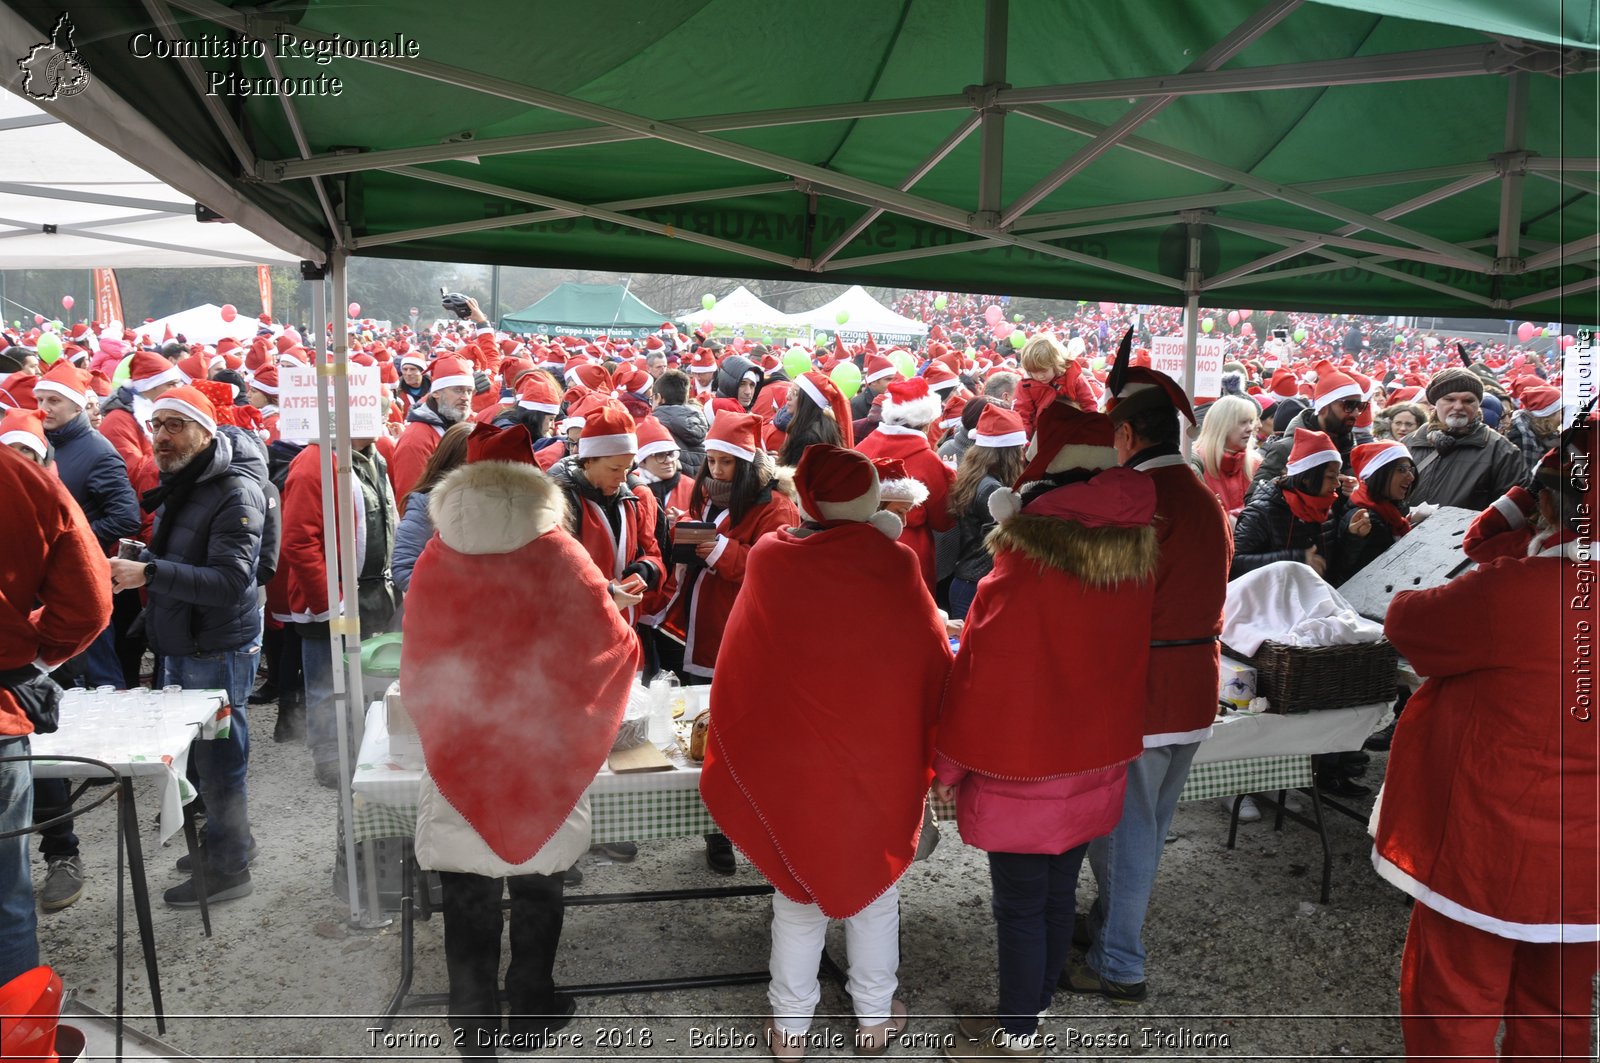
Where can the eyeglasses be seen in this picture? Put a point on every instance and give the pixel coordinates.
(170, 425)
(1352, 406)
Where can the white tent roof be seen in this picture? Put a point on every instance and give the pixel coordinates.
(108, 213)
(866, 315)
(743, 307)
(201, 324)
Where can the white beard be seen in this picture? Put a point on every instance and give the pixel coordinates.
(1455, 422)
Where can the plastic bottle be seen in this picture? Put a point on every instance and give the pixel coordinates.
(663, 690)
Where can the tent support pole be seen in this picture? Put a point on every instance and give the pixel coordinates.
(1588, 284)
(1509, 243)
(1192, 284)
(992, 130)
(1583, 246)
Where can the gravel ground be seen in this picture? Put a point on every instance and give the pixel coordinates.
(1244, 962)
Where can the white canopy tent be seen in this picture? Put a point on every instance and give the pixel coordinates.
(866, 315)
(202, 324)
(743, 307)
(66, 202)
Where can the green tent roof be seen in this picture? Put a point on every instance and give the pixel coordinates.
(587, 309)
(1379, 155)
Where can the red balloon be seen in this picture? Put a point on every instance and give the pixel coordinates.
(1247, 329)
(38, 319)
(1526, 331)
(355, 309)
(229, 312)
(1002, 329)
(1567, 341)
(66, 302)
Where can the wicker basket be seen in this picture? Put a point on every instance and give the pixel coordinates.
(1302, 678)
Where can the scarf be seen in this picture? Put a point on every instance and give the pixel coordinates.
(1231, 463)
(1313, 509)
(1384, 508)
(173, 491)
(718, 492)
(782, 419)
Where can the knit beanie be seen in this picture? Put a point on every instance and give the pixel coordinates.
(1453, 379)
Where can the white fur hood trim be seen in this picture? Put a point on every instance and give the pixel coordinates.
(495, 507)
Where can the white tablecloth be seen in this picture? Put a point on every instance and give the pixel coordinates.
(137, 732)
(1239, 736)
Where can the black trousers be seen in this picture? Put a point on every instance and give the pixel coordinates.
(472, 924)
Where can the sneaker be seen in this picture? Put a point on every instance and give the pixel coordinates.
(719, 854)
(1079, 977)
(63, 882)
(219, 887)
(618, 852)
(998, 1045)
(186, 865)
(1248, 812)
(1378, 741)
(977, 1028)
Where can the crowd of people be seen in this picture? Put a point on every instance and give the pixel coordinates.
(682, 504)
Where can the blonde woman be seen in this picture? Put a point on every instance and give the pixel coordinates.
(1225, 454)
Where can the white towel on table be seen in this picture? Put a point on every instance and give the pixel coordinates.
(1287, 602)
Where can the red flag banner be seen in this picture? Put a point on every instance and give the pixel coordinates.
(107, 300)
(264, 281)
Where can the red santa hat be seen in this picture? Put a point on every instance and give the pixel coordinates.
(940, 378)
(591, 375)
(265, 380)
(1368, 458)
(897, 485)
(877, 367)
(826, 395)
(67, 380)
(148, 370)
(1066, 437)
(998, 427)
(950, 416)
(910, 403)
(186, 400)
(1284, 384)
(16, 391)
(512, 370)
(100, 384)
(607, 432)
(24, 428)
(1333, 386)
(414, 358)
(1133, 389)
(653, 439)
(702, 362)
(511, 444)
(451, 372)
(839, 485)
(1542, 401)
(1311, 449)
(1406, 394)
(538, 392)
(736, 433)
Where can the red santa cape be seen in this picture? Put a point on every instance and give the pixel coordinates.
(820, 780)
(511, 739)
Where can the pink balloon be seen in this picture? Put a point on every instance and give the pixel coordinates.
(1108, 308)
(1247, 329)
(1567, 341)
(1002, 329)
(1526, 331)
(38, 319)
(229, 312)
(1244, 315)
(1233, 319)
(355, 309)
(992, 313)
(66, 302)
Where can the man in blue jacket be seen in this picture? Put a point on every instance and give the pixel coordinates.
(94, 474)
(203, 616)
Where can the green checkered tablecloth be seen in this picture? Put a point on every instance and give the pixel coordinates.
(1224, 778)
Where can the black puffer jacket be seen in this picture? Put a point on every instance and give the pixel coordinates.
(973, 527)
(1268, 531)
(731, 371)
(688, 427)
(202, 594)
(1275, 453)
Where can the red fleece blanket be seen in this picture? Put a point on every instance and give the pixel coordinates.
(516, 670)
(817, 766)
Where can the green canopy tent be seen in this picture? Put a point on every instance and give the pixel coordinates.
(586, 310)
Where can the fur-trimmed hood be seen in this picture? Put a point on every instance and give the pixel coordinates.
(495, 507)
(1098, 557)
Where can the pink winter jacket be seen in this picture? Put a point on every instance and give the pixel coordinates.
(1033, 815)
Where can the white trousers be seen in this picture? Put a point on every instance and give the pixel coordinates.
(872, 940)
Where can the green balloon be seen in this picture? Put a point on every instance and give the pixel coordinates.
(124, 372)
(707, 301)
(842, 316)
(820, 340)
(847, 378)
(1017, 318)
(1206, 325)
(940, 302)
(904, 364)
(49, 347)
(796, 362)
(1018, 340)
(1097, 364)
(1299, 335)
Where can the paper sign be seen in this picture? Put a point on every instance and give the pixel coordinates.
(1166, 356)
(297, 403)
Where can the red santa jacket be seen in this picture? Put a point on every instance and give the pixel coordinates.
(842, 844)
(911, 446)
(301, 554)
(612, 553)
(699, 609)
(123, 430)
(1489, 814)
(1503, 529)
(1035, 395)
(51, 557)
(412, 451)
(1191, 586)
